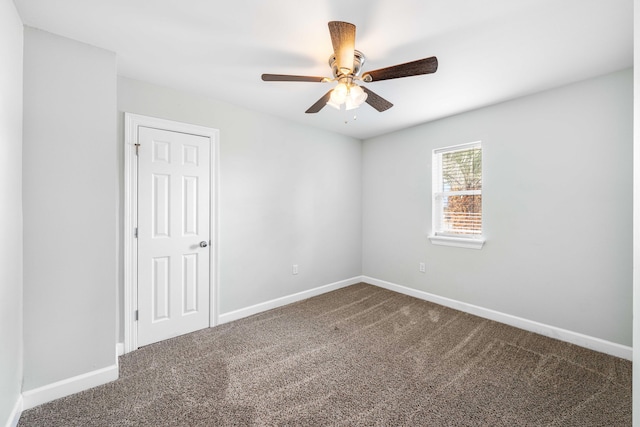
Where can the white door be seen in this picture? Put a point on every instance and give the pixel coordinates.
(173, 234)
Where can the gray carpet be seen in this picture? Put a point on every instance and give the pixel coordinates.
(359, 356)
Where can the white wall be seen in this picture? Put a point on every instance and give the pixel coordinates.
(288, 194)
(70, 209)
(11, 38)
(557, 209)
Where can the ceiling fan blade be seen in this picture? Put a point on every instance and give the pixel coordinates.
(320, 103)
(376, 101)
(408, 69)
(287, 78)
(343, 39)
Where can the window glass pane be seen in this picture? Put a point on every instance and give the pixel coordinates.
(462, 214)
(462, 170)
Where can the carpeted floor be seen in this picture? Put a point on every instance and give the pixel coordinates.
(359, 356)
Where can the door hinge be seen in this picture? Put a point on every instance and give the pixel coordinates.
(135, 314)
(137, 147)
(135, 232)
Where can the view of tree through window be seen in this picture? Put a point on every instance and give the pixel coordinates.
(458, 190)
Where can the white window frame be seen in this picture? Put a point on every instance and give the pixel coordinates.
(439, 238)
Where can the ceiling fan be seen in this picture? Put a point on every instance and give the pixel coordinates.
(346, 64)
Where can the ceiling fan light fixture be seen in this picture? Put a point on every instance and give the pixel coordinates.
(357, 94)
(349, 94)
(333, 104)
(355, 98)
(350, 105)
(338, 96)
(340, 93)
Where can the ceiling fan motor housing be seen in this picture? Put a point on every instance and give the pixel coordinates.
(358, 62)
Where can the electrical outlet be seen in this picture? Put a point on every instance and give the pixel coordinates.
(294, 269)
(423, 267)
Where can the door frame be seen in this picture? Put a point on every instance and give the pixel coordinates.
(132, 123)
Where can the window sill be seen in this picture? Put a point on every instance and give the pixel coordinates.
(460, 242)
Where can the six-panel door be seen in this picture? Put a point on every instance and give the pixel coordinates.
(173, 229)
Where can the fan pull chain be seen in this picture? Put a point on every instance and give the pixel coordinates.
(355, 117)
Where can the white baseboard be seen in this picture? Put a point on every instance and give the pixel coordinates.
(597, 344)
(14, 416)
(49, 392)
(279, 302)
(119, 349)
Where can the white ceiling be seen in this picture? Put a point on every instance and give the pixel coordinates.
(488, 50)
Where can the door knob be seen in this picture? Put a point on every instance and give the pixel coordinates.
(204, 244)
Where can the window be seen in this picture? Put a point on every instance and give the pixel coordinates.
(457, 196)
